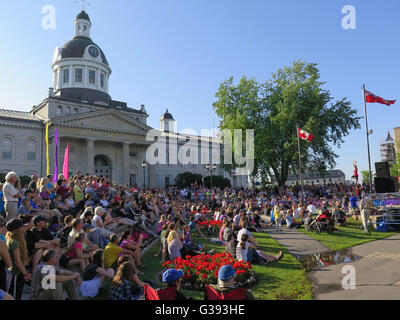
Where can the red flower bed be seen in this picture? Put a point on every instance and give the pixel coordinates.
(211, 223)
(203, 269)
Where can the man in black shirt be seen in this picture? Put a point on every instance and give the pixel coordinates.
(39, 239)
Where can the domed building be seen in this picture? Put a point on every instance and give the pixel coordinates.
(107, 138)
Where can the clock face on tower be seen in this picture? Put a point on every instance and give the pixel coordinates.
(94, 52)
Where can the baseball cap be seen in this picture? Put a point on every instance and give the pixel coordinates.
(38, 219)
(226, 272)
(172, 275)
(14, 224)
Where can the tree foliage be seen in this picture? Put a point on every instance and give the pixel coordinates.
(365, 176)
(185, 179)
(395, 168)
(293, 96)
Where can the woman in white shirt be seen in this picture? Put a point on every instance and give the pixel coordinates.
(247, 252)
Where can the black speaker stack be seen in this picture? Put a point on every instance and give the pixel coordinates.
(384, 183)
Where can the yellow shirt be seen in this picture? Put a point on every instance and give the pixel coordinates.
(276, 212)
(111, 253)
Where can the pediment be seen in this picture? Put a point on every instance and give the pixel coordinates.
(109, 121)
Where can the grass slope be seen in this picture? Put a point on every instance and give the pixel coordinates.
(346, 237)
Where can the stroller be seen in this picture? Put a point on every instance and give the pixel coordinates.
(324, 222)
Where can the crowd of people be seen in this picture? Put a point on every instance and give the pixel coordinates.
(86, 228)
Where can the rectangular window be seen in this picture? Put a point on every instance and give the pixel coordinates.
(102, 80)
(92, 76)
(31, 155)
(7, 155)
(66, 76)
(78, 75)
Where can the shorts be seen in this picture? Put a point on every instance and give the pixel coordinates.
(64, 260)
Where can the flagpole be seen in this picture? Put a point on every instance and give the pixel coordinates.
(301, 175)
(366, 128)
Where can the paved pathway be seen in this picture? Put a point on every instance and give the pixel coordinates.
(298, 244)
(377, 273)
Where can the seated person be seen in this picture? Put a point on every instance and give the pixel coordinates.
(75, 254)
(65, 280)
(60, 205)
(112, 251)
(172, 278)
(226, 289)
(194, 226)
(25, 207)
(231, 244)
(39, 238)
(339, 215)
(290, 222)
(126, 284)
(95, 275)
(247, 252)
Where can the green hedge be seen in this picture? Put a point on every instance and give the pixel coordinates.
(24, 179)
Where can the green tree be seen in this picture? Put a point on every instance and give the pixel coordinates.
(185, 179)
(217, 182)
(365, 176)
(293, 96)
(395, 168)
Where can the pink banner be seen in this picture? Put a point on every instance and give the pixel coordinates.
(66, 161)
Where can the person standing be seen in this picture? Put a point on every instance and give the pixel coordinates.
(353, 206)
(11, 196)
(366, 207)
(18, 251)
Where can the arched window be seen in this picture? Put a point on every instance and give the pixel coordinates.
(76, 110)
(59, 111)
(68, 110)
(7, 149)
(31, 150)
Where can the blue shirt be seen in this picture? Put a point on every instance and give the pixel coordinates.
(1, 202)
(353, 202)
(2, 238)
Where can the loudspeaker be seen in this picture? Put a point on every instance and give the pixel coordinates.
(382, 169)
(385, 185)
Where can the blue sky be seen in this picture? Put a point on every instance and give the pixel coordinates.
(175, 53)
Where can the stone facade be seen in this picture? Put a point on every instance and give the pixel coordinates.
(106, 137)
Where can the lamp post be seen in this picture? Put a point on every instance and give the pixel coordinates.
(212, 168)
(144, 164)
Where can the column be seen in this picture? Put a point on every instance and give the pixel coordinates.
(125, 163)
(90, 156)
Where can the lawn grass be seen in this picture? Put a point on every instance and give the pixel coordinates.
(348, 236)
(285, 279)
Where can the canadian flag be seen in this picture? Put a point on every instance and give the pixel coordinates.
(305, 135)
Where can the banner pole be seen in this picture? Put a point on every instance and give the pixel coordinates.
(301, 175)
(366, 128)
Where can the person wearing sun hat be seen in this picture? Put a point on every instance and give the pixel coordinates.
(172, 278)
(226, 286)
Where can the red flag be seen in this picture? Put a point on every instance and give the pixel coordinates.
(371, 98)
(305, 135)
